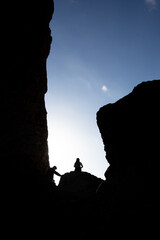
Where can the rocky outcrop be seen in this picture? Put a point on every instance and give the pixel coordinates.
(79, 185)
(78, 191)
(130, 131)
(24, 130)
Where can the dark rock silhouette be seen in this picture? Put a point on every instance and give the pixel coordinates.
(24, 125)
(23, 129)
(81, 185)
(78, 191)
(130, 131)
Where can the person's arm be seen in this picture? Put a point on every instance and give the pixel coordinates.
(58, 174)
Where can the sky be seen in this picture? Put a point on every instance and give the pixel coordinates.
(100, 51)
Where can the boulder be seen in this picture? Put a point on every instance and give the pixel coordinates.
(81, 185)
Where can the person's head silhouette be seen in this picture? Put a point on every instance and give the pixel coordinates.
(54, 167)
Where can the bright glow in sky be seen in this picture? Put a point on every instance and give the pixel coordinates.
(100, 51)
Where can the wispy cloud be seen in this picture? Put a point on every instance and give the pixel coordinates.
(152, 4)
(73, 1)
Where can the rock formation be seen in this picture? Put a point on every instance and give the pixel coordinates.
(24, 126)
(23, 131)
(130, 131)
(79, 185)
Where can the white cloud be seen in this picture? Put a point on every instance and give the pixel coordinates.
(152, 4)
(104, 88)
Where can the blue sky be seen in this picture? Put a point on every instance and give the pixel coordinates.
(100, 51)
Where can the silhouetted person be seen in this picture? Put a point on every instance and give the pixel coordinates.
(51, 172)
(78, 165)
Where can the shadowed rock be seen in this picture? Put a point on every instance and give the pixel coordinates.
(82, 185)
(24, 130)
(130, 131)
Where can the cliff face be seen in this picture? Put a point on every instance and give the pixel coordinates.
(130, 131)
(130, 128)
(24, 126)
